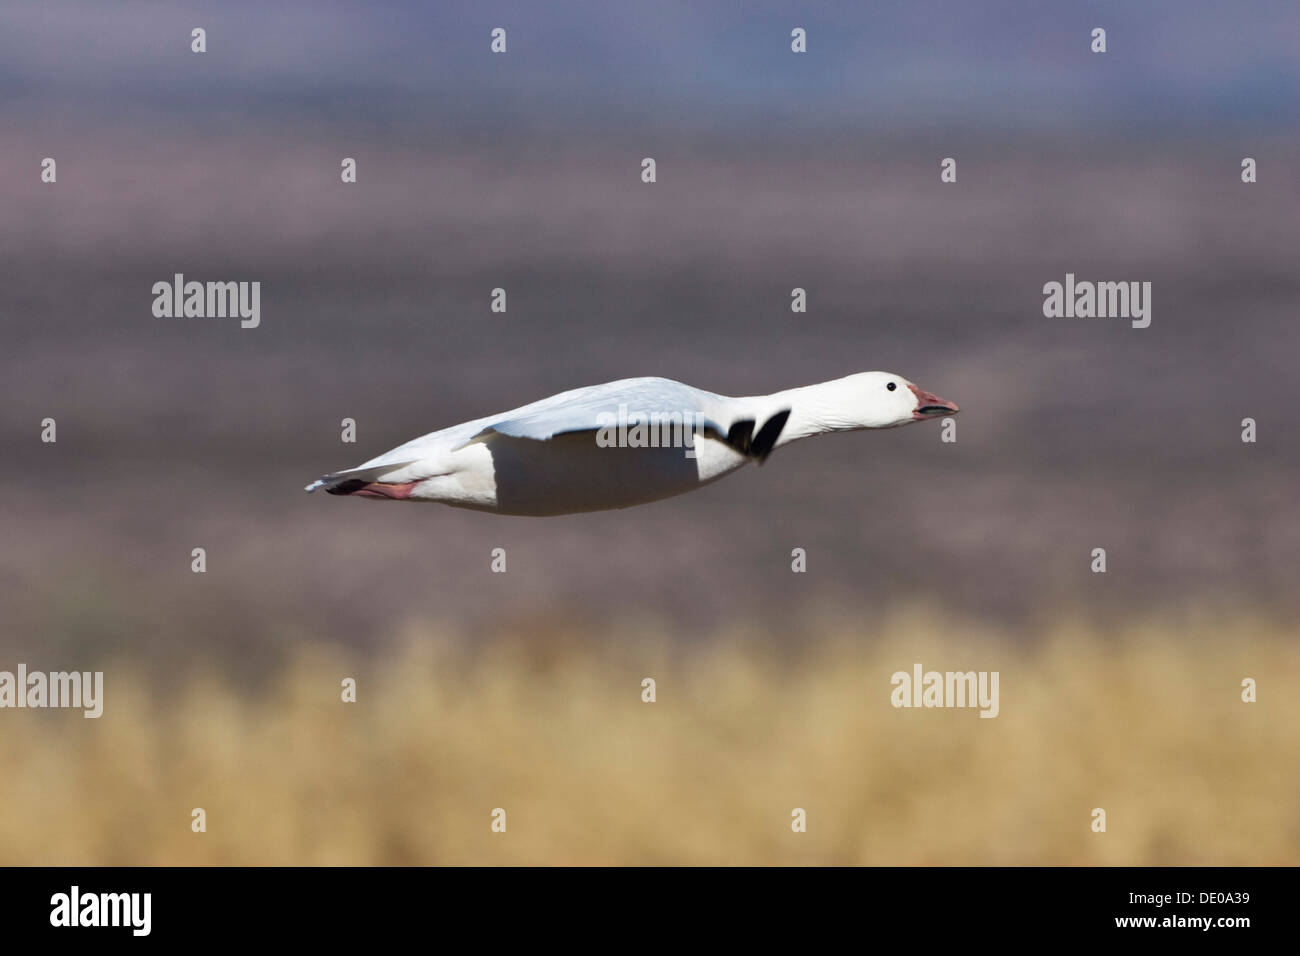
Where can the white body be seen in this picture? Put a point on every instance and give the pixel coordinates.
(554, 456)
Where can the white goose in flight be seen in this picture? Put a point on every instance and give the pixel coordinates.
(623, 443)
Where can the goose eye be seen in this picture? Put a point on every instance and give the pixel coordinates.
(891, 386)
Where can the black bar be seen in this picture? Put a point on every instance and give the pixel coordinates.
(326, 906)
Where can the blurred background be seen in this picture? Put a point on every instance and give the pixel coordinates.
(522, 689)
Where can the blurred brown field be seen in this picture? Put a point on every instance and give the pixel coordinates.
(1145, 721)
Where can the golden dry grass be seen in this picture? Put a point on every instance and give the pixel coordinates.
(1147, 723)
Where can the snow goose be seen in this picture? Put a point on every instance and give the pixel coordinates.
(623, 443)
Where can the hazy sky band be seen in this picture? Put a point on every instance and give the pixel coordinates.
(1170, 65)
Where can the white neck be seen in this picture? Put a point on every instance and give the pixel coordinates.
(814, 409)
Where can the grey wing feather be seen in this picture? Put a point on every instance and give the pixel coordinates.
(600, 407)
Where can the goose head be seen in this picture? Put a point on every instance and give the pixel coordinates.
(885, 400)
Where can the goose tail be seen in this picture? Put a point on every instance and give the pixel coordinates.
(353, 479)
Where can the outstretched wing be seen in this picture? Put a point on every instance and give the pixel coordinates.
(588, 409)
(641, 399)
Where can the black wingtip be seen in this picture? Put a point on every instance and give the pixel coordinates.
(765, 440)
(741, 436)
(346, 487)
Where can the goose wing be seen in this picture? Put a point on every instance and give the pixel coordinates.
(645, 400)
(599, 406)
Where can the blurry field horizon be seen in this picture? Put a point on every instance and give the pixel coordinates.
(1145, 722)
